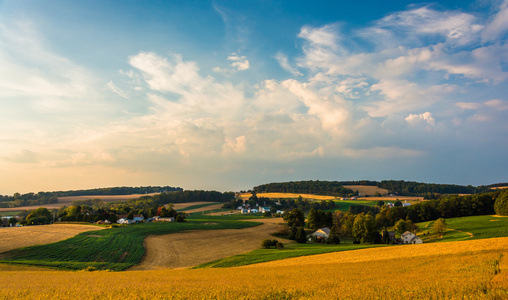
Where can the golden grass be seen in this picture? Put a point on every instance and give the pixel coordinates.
(456, 270)
(17, 237)
(288, 195)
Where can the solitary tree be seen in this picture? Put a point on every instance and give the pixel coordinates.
(295, 218)
(440, 226)
(501, 204)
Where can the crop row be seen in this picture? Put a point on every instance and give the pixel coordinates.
(115, 248)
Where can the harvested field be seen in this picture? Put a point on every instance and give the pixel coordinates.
(367, 190)
(288, 195)
(178, 206)
(191, 248)
(18, 237)
(409, 199)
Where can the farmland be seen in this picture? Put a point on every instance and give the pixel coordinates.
(17, 237)
(367, 190)
(67, 201)
(187, 249)
(458, 270)
(116, 248)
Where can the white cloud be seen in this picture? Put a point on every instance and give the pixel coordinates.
(282, 59)
(455, 27)
(402, 95)
(110, 85)
(240, 63)
(498, 24)
(426, 120)
(168, 75)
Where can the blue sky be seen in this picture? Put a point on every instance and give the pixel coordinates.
(227, 95)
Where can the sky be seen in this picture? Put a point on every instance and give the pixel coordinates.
(227, 95)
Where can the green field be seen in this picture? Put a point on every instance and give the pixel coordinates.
(458, 229)
(114, 249)
(291, 250)
(482, 227)
(198, 206)
(9, 213)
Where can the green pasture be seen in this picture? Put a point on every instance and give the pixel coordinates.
(292, 249)
(114, 249)
(481, 227)
(198, 206)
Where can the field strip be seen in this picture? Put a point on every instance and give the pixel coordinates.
(288, 195)
(191, 248)
(391, 253)
(177, 206)
(18, 237)
(205, 208)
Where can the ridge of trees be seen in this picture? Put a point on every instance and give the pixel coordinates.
(42, 198)
(399, 187)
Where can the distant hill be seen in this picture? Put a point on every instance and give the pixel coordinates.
(42, 198)
(397, 187)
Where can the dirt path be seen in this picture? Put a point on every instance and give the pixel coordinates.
(191, 248)
(469, 233)
(17, 237)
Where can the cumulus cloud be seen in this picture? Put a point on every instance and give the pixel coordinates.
(424, 119)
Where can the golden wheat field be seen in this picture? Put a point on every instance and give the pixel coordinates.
(457, 270)
(367, 190)
(17, 237)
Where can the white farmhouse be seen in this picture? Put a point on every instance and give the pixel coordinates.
(322, 232)
(410, 238)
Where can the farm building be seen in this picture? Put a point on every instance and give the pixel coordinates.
(322, 232)
(410, 238)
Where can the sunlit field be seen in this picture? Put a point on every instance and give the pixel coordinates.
(456, 270)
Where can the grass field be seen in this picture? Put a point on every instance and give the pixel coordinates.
(9, 213)
(193, 206)
(467, 228)
(115, 249)
(458, 270)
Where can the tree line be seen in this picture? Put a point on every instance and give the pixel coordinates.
(364, 226)
(42, 198)
(94, 210)
(399, 187)
(333, 188)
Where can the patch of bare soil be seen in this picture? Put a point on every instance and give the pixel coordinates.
(18, 237)
(191, 248)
